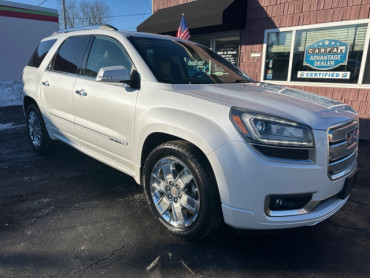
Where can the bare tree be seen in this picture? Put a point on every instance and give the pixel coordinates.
(94, 12)
(72, 14)
(85, 13)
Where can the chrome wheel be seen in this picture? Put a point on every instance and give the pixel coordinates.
(174, 192)
(34, 129)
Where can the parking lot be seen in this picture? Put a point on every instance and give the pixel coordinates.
(67, 215)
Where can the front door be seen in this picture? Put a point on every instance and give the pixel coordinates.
(104, 112)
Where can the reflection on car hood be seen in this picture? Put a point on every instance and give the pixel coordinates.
(311, 109)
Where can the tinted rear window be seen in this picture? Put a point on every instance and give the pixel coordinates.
(40, 53)
(70, 54)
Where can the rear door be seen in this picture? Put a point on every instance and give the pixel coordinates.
(104, 112)
(57, 87)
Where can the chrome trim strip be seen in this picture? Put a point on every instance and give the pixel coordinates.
(59, 117)
(337, 127)
(343, 159)
(110, 138)
(350, 169)
(62, 72)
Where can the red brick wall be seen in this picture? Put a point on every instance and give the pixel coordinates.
(161, 4)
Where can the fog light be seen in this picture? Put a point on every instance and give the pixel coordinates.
(278, 203)
(288, 202)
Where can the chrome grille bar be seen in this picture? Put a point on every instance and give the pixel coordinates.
(342, 157)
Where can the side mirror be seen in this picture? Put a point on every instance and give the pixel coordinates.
(115, 74)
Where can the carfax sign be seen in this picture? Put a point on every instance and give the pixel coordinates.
(326, 54)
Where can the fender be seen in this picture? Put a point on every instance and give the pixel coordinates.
(207, 134)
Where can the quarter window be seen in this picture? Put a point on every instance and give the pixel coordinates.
(70, 54)
(106, 52)
(40, 53)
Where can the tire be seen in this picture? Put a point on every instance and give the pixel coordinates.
(181, 190)
(37, 133)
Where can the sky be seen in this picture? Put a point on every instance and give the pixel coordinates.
(126, 14)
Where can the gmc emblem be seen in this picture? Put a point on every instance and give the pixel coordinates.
(351, 138)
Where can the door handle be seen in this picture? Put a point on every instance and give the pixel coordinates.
(45, 83)
(81, 92)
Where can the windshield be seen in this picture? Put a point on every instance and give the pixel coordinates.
(180, 62)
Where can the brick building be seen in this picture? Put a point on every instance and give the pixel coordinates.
(320, 46)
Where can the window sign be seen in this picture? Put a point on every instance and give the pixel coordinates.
(324, 74)
(229, 53)
(326, 54)
(227, 46)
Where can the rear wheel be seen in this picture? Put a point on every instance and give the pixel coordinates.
(37, 132)
(181, 190)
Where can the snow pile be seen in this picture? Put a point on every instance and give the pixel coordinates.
(9, 126)
(11, 93)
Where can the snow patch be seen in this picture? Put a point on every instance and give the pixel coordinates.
(11, 93)
(9, 126)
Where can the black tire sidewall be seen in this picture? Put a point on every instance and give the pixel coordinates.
(200, 224)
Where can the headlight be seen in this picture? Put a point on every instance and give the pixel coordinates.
(260, 128)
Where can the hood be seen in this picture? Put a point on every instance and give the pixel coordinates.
(307, 108)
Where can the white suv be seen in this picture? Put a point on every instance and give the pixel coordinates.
(206, 142)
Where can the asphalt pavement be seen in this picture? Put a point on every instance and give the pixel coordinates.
(68, 215)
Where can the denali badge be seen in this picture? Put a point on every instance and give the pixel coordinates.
(352, 137)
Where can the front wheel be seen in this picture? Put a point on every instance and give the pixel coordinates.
(181, 190)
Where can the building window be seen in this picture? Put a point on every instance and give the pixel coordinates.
(320, 54)
(225, 44)
(202, 39)
(367, 68)
(277, 55)
(334, 54)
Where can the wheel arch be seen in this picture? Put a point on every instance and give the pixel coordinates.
(27, 100)
(157, 138)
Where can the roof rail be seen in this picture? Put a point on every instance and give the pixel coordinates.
(102, 27)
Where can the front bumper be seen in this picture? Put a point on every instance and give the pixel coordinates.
(246, 180)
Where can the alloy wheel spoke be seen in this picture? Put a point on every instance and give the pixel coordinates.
(168, 170)
(163, 205)
(189, 203)
(184, 178)
(158, 183)
(177, 211)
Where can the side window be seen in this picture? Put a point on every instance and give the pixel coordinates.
(40, 53)
(106, 52)
(70, 54)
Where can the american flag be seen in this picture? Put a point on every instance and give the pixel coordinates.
(183, 31)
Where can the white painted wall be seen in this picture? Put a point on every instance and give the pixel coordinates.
(18, 39)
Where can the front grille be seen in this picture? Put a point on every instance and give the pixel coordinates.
(342, 150)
